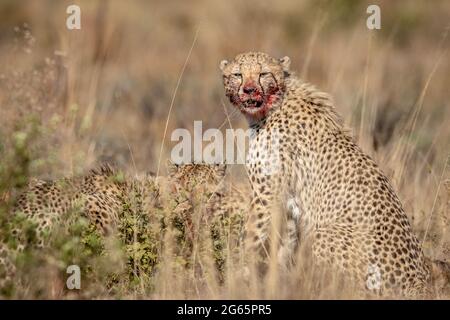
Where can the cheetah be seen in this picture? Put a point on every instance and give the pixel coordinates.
(345, 205)
(102, 196)
(99, 194)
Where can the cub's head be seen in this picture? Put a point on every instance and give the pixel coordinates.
(197, 176)
(255, 82)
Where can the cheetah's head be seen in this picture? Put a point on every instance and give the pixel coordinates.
(195, 176)
(255, 82)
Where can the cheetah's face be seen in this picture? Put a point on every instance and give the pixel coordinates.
(195, 176)
(254, 82)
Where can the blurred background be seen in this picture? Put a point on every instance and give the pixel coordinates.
(72, 98)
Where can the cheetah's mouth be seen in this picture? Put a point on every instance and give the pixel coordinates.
(252, 104)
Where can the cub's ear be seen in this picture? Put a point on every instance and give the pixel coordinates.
(223, 64)
(172, 168)
(285, 63)
(221, 170)
(150, 173)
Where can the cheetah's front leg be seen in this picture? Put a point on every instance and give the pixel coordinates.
(289, 244)
(257, 228)
(270, 232)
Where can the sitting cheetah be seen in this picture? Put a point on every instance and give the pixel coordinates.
(344, 203)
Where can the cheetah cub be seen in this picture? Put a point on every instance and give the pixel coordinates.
(346, 206)
(102, 195)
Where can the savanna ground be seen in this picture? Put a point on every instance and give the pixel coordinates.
(105, 93)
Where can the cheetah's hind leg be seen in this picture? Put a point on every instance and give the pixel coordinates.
(374, 264)
(344, 252)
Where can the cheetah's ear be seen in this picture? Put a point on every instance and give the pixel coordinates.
(221, 170)
(285, 63)
(223, 64)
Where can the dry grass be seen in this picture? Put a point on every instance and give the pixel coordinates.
(113, 91)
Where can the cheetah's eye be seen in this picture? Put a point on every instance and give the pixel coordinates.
(263, 74)
(237, 74)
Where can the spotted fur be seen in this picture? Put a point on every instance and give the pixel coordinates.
(101, 195)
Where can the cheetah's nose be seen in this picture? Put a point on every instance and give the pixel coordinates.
(249, 89)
